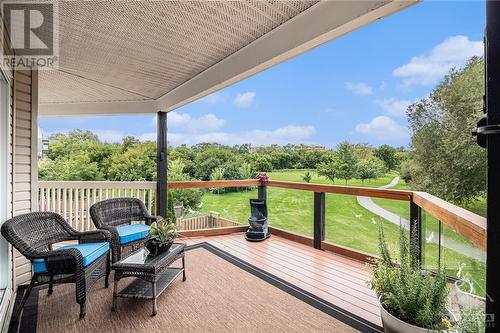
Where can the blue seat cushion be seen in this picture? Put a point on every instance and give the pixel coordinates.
(133, 232)
(90, 252)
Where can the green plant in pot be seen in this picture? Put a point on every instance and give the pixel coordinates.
(411, 300)
(161, 237)
(472, 321)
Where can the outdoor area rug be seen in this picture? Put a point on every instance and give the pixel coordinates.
(222, 294)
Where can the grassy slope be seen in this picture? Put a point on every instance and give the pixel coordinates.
(347, 223)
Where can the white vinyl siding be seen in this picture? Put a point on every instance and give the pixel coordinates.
(24, 189)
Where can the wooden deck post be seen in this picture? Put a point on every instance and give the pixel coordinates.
(161, 165)
(319, 219)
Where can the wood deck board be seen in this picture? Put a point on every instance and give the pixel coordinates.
(328, 288)
(313, 271)
(336, 279)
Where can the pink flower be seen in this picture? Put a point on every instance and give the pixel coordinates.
(263, 178)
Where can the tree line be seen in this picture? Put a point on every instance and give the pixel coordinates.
(80, 155)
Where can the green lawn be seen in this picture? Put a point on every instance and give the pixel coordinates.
(347, 223)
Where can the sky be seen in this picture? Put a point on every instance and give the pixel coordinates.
(354, 88)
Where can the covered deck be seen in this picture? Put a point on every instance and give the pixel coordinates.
(311, 273)
(290, 282)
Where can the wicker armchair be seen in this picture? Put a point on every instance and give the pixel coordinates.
(84, 263)
(116, 216)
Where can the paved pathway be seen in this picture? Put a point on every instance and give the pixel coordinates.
(451, 244)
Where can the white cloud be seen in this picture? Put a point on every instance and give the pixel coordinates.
(244, 100)
(205, 123)
(110, 136)
(184, 122)
(283, 135)
(175, 119)
(383, 128)
(383, 85)
(359, 88)
(147, 137)
(393, 107)
(213, 98)
(428, 69)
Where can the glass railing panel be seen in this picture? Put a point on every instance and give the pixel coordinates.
(353, 222)
(291, 210)
(231, 204)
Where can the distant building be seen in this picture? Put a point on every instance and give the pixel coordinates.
(311, 147)
(43, 145)
(255, 149)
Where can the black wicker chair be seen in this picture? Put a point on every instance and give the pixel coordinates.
(84, 263)
(116, 216)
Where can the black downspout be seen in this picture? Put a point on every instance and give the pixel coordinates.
(492, 63)
(161, 165)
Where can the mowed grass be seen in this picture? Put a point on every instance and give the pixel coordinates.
(347, 223)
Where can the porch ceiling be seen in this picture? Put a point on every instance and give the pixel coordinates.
(147, 56)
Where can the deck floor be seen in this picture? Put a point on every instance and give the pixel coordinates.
(334, 278)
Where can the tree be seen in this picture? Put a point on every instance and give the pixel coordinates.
(347, 161)
(262, 163)
(217, 174)
(388, 155)
(189, 198)
(246, 171)
(447, 161)
(78, 167)
(370, 168)
(210, 158)
(137, 163)
(329, 169)
(407, 169)
(307, 177)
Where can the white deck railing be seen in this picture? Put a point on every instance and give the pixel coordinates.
(72, 200)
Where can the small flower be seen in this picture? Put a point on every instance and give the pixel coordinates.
(263, 178)
(447, 323)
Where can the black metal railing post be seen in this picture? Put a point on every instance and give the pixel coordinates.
(492, 79)
(319, 219)
(416, 232)
(161, 165)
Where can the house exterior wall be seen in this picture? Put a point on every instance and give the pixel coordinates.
(24, 158)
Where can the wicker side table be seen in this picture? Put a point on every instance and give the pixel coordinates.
(153, 274)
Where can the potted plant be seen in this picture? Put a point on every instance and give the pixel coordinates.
(411, 300)
(161, 237)
(472, 321)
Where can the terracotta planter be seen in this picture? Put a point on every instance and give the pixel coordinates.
(468, 300)
(394, 325)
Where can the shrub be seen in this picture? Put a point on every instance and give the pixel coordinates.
(307, 177)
